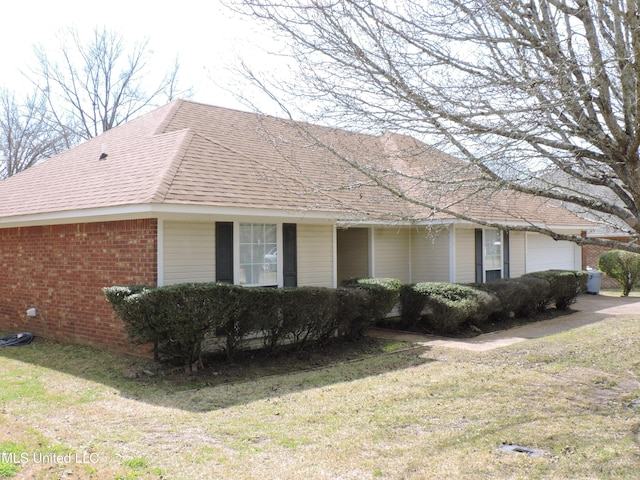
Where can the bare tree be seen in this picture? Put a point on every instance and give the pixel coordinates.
(27, 134)
(92, 86)
(539, 97)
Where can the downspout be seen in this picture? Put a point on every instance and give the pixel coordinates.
(335, 256)
(372, 256)
(160, 252)
(452, 253)
(411, 255)
(526, 253)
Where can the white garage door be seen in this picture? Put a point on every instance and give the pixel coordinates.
(544, 253)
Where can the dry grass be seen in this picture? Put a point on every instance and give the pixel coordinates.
(428, 413)
(616, 293)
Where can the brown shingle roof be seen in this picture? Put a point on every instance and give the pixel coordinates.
(195, 154)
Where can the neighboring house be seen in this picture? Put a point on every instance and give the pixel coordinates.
(605, 227)
(195, 193)
(591, 254)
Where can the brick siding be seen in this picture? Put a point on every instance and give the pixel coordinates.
(61, 269)
(590, 255)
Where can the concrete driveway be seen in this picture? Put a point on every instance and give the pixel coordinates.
(588, 309)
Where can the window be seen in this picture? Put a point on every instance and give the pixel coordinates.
(258, 254)
(492, 254)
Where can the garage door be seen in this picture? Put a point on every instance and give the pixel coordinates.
(544, 253)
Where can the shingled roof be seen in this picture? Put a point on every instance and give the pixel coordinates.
(187, 153)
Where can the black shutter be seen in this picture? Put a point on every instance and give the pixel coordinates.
(289, 255)
(505, 254)
(224, 252)
(479, 256)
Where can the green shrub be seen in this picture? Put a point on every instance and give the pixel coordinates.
(174, 318)
(622, 266)
(246, 310)
(537, 297)
(354, 314)
(127, 304)
(308, 314)
(519, 297)
(385, 293)
(487, 305)
(564, 285)
(412, 303)
(177, 319)
(444, 307)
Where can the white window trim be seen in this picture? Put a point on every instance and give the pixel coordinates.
(236, 254)
(484, 253)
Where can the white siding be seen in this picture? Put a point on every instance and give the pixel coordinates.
(189, 252)
(465, 255)
(517, 256)
(429, 256)
(392, 253)
(315, 255)
(545, 253)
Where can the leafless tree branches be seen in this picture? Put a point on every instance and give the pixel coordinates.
(27, 134)
(538, 96)
(82, 88)
(94, 85)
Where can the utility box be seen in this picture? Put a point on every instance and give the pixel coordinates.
(594, 280)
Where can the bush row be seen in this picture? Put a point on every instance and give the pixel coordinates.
(444, 307)
(177, 319)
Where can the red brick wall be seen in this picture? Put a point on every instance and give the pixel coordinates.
(61, 269)
(590, 255)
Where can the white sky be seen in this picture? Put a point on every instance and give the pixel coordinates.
(204, 34)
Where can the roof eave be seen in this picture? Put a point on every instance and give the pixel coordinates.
(150, 210)
(507, 224)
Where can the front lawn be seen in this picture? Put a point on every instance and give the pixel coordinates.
(377, 411)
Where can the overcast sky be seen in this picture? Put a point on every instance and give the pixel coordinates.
(204, 34)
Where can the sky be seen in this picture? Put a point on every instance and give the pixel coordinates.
(207, 38)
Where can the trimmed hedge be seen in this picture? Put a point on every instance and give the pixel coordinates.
(177, 319)
(538, 296)
(565, 285)
(354, 312)
(174, 318)
(444, 307)
(308, 314)
(518, 297)
(385, 293)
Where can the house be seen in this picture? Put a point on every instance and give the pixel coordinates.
(194, 193)
(604, 226)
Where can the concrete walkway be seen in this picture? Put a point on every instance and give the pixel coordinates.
(588, 309)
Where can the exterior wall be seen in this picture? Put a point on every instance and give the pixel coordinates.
(430, 256)
(353, 253)
(590, 255)
(544, 253)
(522, 257)
(189, 252)
(465, 268)
(61, 270)
(315, 255)
(392, 252)
(517, 254)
